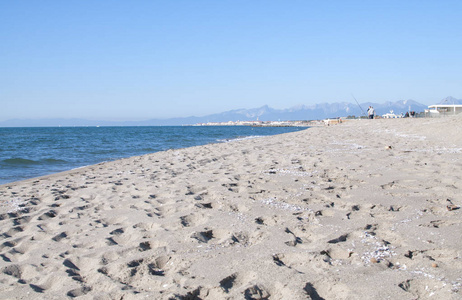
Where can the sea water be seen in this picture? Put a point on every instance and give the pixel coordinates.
(32, 152)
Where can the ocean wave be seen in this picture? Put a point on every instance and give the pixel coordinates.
(241, 138)
(25, 162)
(19, 161)
(53, 161)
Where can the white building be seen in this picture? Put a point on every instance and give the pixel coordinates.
(391, 115)
(439, 110)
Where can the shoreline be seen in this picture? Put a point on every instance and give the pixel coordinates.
(31, 159)
(364, 209)
(65, 172)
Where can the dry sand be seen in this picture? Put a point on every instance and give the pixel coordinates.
(362, 210)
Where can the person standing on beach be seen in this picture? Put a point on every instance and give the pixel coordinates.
(370, 112)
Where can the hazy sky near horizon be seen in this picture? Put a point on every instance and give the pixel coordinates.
(134, 60)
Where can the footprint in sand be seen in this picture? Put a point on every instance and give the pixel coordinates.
(192, 220)
(203, 236)
(48, 215)
(256, 291)
(426, 288)
(295, 240)
(60, 236)
(227, 283)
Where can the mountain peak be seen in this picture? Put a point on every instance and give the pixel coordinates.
(450, 100)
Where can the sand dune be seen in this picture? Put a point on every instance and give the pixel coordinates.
(362, 210)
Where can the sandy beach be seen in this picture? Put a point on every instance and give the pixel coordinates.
(367, 209)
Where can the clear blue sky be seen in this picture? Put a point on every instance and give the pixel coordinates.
(134, 60)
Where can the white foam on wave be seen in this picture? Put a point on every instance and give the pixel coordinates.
(239, 138)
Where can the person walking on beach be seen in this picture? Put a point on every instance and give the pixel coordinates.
(370, 112)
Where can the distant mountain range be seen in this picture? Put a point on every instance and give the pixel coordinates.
(264, 113)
